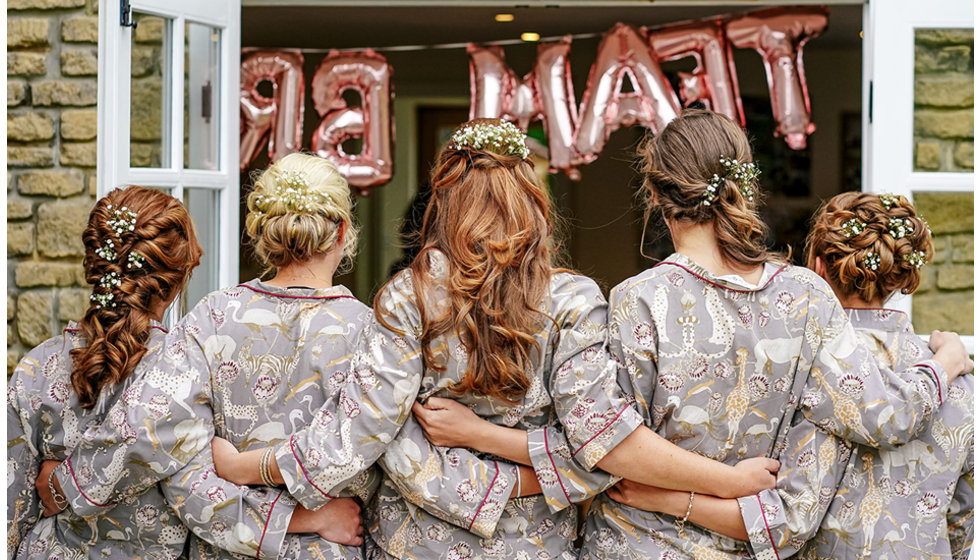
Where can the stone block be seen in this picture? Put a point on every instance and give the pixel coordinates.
(93, 184)
(927, 155)
(64, 92)
(43, 4)
(147, 103)
(60, 182)
(20, 238)
(29, 127)
(944, 90)
(941, 245)
(79, 62)
(80, 29)
(79, 124)
(18, 209)
(60, 225)
(144, 155)
(957, 58)
(955, 277)
(936, 123)
(31, 274)
(30, 156)
(946, 212)
(11, 307)
(927, 280)
(13, 358)
(16, 92)
(35, 311)
(956, 36)
(26, 63)
(82, 154)
(963, 155)
(24, 32)
(945, 311)
(962, 248)
(149, 30)
(72, 304)
(144, 61)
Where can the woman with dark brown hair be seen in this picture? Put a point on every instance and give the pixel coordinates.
(482, 317)
(140, 249)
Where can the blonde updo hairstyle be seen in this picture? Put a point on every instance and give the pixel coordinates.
(843, 251)
(677, 165)
(298, 209)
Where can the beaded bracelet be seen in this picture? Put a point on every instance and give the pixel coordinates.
(265, 470)
(60, 501)
(690, 505)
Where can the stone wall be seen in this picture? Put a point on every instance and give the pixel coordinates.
(944, 142)
(52, 48)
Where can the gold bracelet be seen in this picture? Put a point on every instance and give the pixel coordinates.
(265, 470)
(60, 501)
(518, 483)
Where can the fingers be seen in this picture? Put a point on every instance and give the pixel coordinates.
(421, 413)
(772, 466)
(438, 403)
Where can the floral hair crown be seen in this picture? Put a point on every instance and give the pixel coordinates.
(742, 173)
(293, 189)
(503, 139)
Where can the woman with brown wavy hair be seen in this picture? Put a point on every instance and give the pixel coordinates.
(484, 318)
(140, 249)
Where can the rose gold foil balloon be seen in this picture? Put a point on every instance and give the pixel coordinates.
(623, 54)
(368, 74)
(778, 34)
(713, 81)
(278, 119)
(545, 93)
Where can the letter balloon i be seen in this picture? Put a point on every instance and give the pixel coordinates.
(369, 75)
(277, 119)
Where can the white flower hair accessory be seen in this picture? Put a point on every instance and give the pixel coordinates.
(888, 200)
(852, 227)
(107, 251)
(872, 261)
(742, 173)
(915, 258)
(503, 139)
(123, 220)
(108, 282)
(135, 260)
(293, 189)
(899, 227)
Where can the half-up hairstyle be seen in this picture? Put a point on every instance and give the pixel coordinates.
(686, 179)
(492, 220)
(144, 241)
(871, 245)
(298, 209)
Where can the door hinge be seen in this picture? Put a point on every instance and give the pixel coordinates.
(126, 14)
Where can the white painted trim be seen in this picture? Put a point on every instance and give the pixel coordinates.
(545, 3)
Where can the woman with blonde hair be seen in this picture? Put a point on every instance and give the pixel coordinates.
(140, 249)
(730, 352)
(482, 317)
(869, 247)
(250, 363)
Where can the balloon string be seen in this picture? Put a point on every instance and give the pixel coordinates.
(438, 46)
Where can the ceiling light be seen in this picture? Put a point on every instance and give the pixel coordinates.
(504, 18)
(530, 36)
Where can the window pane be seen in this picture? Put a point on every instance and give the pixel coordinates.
(150, 78)
(943, 100)
(202, 204)
(202, 49)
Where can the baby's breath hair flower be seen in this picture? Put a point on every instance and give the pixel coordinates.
(744, 174)
(915, 258)
(135, 260)
(108, 282)
(123, 220)
(107, 251)
(900, 227)
(925, 223)
(872, 261)
(852, 227)
(293, 189)
(888, 200)
(503, 139)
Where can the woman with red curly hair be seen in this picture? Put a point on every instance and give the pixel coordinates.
(140, 248)
(481, 317)
(868, 248)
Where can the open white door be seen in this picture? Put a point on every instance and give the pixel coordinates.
(168, 116)
(889, 59)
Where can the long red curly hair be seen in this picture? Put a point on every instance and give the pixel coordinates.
(116, 335)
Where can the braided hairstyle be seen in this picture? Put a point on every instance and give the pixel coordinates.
(140, 248)
(298, 209)
(678, 165)
(871, 245)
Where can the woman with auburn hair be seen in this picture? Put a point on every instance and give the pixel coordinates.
(140, 249)
(731, 352)
(869, 247)
(481, 317)
(251, 363)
